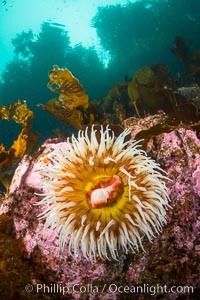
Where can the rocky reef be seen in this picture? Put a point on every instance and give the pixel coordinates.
(171, 260)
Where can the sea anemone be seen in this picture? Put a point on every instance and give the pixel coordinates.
(103, 195)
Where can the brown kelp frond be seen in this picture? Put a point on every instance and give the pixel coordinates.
(21, 114)
(150, 90)
(72, 102)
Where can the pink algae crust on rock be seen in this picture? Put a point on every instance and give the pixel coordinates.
(85, 277)
(42, 245)
(172, 258)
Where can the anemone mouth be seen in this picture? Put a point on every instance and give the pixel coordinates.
(106, 192)
(104, 195)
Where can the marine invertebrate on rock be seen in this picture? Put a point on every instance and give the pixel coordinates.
(102, 195)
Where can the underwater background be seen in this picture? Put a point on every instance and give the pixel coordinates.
(130, 36)
(66, 65)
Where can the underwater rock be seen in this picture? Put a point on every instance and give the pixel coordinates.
(42, 245)
(190, 94)
(172, 258)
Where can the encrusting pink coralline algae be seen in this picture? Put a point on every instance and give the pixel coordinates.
(172, 257)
